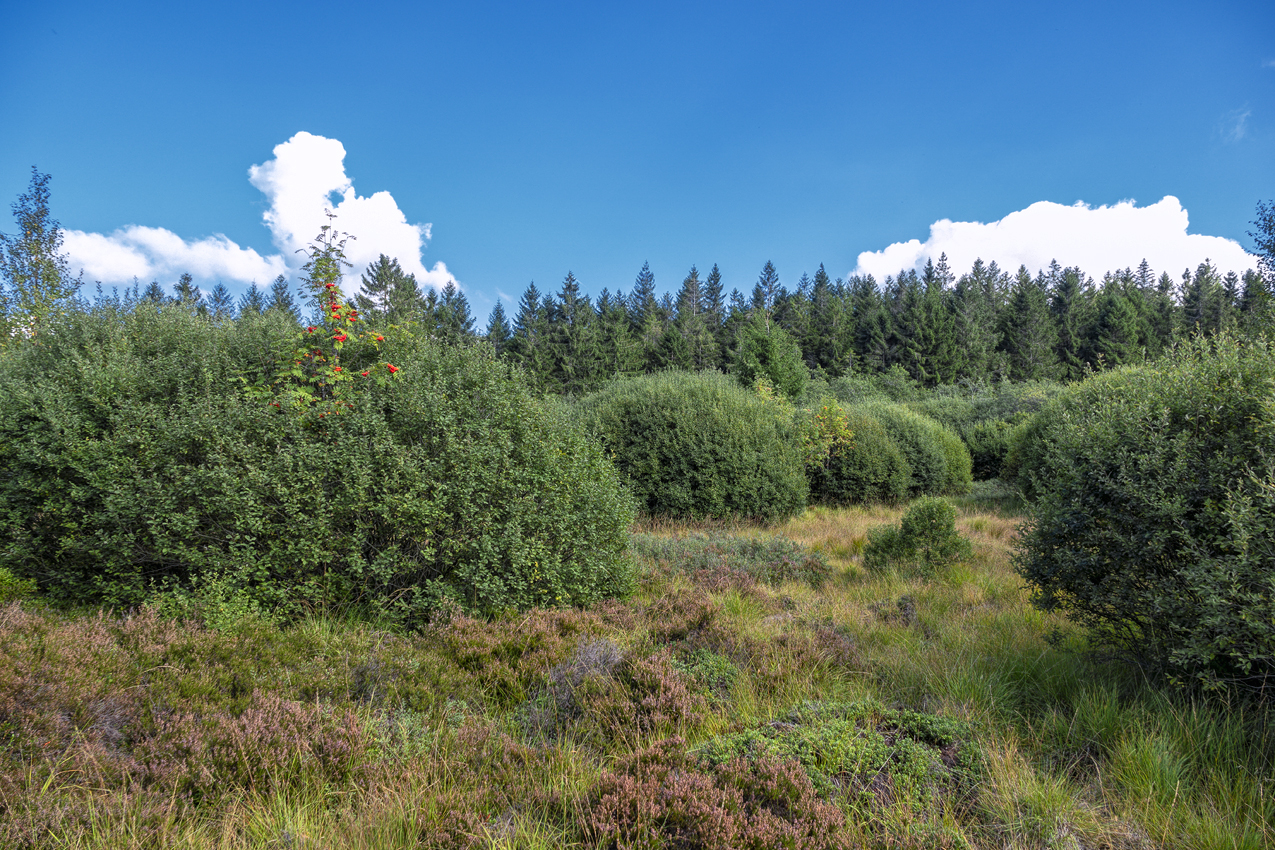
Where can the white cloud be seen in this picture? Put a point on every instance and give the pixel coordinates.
(305, 179)
(1234, 125)
(1097, 239)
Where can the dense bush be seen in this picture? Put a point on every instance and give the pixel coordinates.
(136, 460)
(984, 418)
(870, 468)
(700, 445)
(925, 539)
(1154, 515)
(939, 460)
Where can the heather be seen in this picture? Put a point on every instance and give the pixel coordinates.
(760, 687)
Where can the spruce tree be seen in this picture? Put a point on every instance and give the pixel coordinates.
(1028, 336)
(831, 344)
(186, 291)
(455, 323)
(577, 364)
(281, 299)
(1070, 304)
(154, 293)
(220, 303)
(689, 342)
(498, 331)
(618, 349)
(978, 301)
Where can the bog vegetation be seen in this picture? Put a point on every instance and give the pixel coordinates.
(635, 573)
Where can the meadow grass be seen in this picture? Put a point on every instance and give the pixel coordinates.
(582, 728)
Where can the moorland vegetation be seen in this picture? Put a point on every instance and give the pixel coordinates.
(636, 573)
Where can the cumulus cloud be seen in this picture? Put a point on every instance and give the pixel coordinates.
(305, 179)
(1096, 239)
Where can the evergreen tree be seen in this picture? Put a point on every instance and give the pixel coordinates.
(1114, 338)
(978, 301)
(454, 322)
(577, 362)
(1264, 236)
(618, 349)
(220, 303)
(1070, 304)
(1203, 299)
(765, 351)
(1165, 315)
(154, 293)
(1028, 336)
(498, 331)
(186, 291)
(529, 345)
(831, 345)
(873, 325)
(282, 301)
(390, 296)
(792, 312)
(689, 342)
(1254, 309)
(766, 290)
(642, 303)
(713, 307)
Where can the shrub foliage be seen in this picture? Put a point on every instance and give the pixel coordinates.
(1154, 515)
(700, 445)
(136, 460)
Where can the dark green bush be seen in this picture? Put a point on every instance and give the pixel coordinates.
(700, 445)
(870, 469)
(939, 460)
(135, 460)
(926, 538)
(1153, 521)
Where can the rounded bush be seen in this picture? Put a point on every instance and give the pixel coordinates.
(700, 445)
(925, 538)
(1153, 520)
(137, 461)
(939, 460)
(870, 469)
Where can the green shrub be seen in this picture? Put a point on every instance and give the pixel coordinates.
(13, 588)
(871, 468)
(137, 461)
(700, 445)
(1153, 520)
(926, 538)
(939, 460)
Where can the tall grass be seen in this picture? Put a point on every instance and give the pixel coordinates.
(134, 729)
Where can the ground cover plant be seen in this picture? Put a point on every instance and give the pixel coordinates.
(730, 699)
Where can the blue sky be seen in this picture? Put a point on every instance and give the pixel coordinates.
(537, 139)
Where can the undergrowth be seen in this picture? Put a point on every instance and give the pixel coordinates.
(760, 688)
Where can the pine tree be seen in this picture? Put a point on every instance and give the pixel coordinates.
(529, 345)
(454, 322)
(1070, 304)
(577, 362)
(1203, 299)
(618, 349)
(1028, 336)
(873, 325)
(976, 301)
(251, 301)
(792, 312)
(642, 303)
(689, 342)
(220, 303)
(1114, 337)
(713, 307)
(186, 291)
(390, 296)
(831, 345)
(498, 331)
(154, 293)
(766, 290)
(282, 301)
